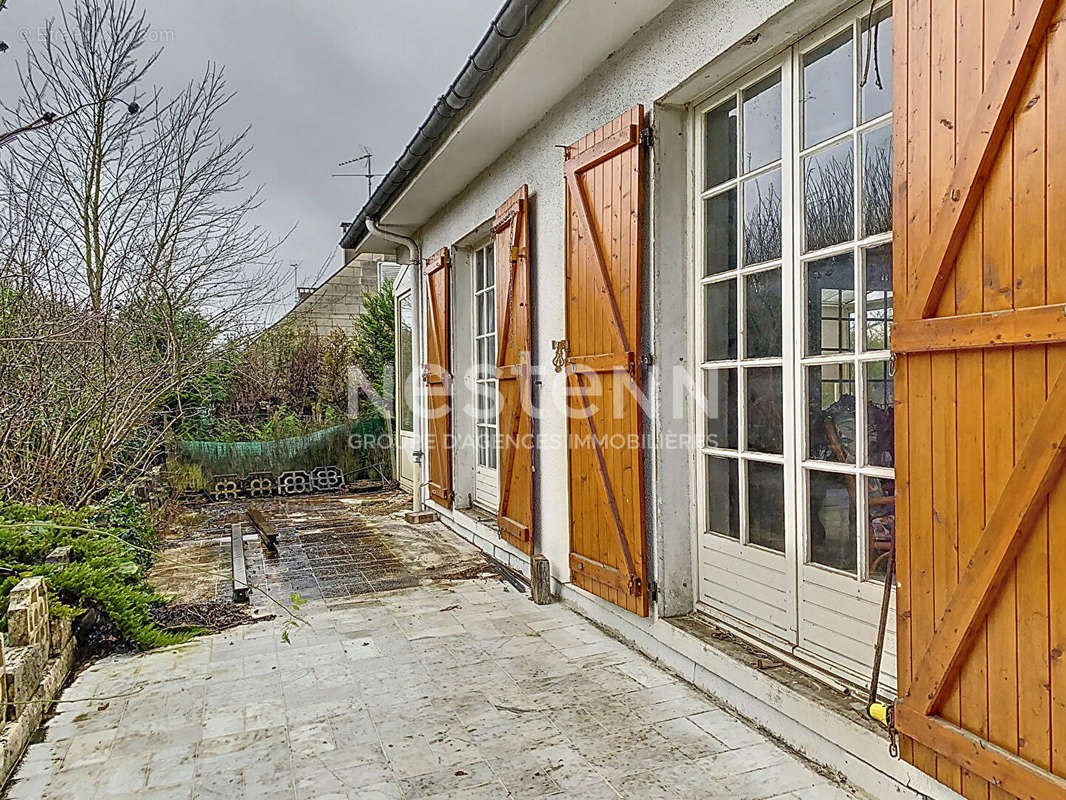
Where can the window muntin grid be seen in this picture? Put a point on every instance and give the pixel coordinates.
(835, 466)
(485, 355)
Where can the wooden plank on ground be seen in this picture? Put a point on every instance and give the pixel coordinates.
(268, 534)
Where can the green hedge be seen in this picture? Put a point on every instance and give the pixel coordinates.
(111, 553)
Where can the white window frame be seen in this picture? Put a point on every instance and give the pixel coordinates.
(401, 386)
(796, 559)
(782, 628)
(859, 357)
(486, 479)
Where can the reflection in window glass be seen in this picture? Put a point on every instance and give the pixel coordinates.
(762, 123)
(831, 499)
(828, 196)
(878, 295)
(762, 218)
(720, 320)
(766, 505)
(877, 180)
(721, 409)
(485, 351)
(829, 185)
(720, 153)
(723, 497)
(720, 220)
(881, 524)
(764, 410)
(762, 314)
(880, 414)
(828, 89)
(486, 407)
(877, 91)
(831, 305)
(406, 382)
(831, 412)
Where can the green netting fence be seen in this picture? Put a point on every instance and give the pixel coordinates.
(362, 449)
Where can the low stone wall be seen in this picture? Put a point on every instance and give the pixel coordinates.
(36, 661)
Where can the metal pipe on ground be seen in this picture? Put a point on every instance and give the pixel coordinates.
(238, 567)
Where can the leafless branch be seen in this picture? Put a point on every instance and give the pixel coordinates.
(128, 256)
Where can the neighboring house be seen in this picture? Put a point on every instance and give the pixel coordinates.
(657, 266)
(338, 300)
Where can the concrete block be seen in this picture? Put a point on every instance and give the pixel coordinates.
(27, 615)
(61, 555)
(421, 518)
(60, 630)
(23, 670)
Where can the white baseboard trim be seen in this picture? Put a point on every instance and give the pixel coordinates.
(485, 538)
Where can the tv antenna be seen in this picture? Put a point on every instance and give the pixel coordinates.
(367, 157)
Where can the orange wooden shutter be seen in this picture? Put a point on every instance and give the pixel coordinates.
(980, 337)
(514, 344)
(602, 356)
(438, 378)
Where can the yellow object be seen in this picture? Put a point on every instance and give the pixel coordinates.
(879, 712)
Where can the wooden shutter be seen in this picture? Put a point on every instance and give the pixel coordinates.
(514, 345)
(980, 337)
(602, 356)
(438, 378)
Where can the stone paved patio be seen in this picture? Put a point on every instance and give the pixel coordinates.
(459, 689)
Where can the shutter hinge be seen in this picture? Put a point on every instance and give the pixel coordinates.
(647, 137)
(653, 591)
(562, 352)
(647, 359)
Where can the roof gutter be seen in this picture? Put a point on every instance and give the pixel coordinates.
(497, 43)
(413, 250)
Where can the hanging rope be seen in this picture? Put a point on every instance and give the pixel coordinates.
(871, 50)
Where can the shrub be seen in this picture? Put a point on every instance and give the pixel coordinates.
(111, 552)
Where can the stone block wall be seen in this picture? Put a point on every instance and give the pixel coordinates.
(27, 615)
(35, 662)
(338, 301)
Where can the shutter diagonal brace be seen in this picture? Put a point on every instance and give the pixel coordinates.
(1009, 525)
(597, 154)
(632, 581)
(512, 220)
(510, 224)
(510, 451)
(437, 376)
(1007, 79)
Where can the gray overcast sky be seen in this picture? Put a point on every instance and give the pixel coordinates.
(315, 79)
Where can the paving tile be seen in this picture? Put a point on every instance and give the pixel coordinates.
(726, 728)
(456, 778)
(89, 748)
(767, 782)
(426, 693)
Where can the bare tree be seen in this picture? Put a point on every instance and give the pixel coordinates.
(128, 255)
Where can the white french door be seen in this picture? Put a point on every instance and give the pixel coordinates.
(793, 306)
(486, 477)
(405, 415)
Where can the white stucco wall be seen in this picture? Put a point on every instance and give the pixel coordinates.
(669, 56)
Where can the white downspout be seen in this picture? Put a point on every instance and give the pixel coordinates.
(415, 262)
